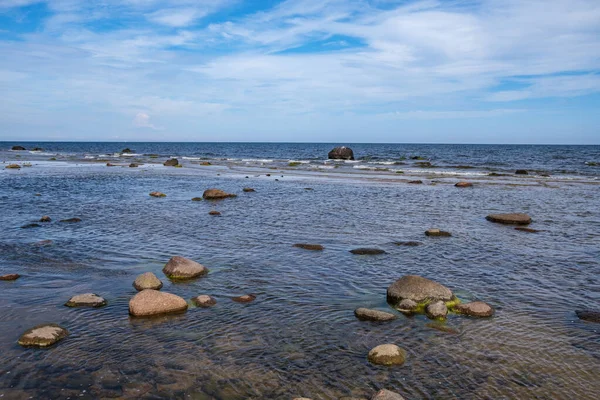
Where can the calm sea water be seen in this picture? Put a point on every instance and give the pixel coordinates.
(300, 337)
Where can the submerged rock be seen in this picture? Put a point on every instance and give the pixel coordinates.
(510, 218)
(437, 232)
(387, 354)
(248, 190)
(366, 314)
(126, 150)
(147, 280)
(152, 302)
(306, 246)
(43, 335)
(214, 212)
(173, 162)
(29, 226)
(45, 218)
(183, 268)
(408, 243)
(474, 309)
(197, 199)
(157, 194)
(247, 298)
(216, 194)
(341, 153)
(86, 300)
(463, 184)
(416, 182)
(588, 315)
(204, 300)
(133, 165)
(18, 148)
(9, 277)
(367, 251)
(524, 229)
(521, 172)
(417, 289)
(386, 395)
(439, 326)
(437, 310)
(71, 220)
(13, 166)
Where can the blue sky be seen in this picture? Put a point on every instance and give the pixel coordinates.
(460, 71)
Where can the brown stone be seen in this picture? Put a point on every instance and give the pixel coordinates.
(475, 309)
(10, 277)
(204, 300)
(213, 212)
(157, 194)
(386, 395)
(247, 298)
(147, 280)
(183, 268)
(86, 300)
(306, 246)
(45, 218)
(71, 220)
(367, 251)
(43, 335)
(417, 289)
(511, 218)
(205, 163)
(588, 315)
(216, 194)
(437, 310)
(197, 199)
(366, 314)
(341, 153)
(407, 306)
(173, 162)
(437, 233)
(464, 184)
(152, 302)
(417, 182)
(248, 190)
(13, 166)
(525, 229)
(387, 354)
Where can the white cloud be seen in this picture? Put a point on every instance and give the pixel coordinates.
(142, 120)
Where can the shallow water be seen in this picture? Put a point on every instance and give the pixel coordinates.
(300, 337)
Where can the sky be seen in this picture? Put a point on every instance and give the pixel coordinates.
(457, 71)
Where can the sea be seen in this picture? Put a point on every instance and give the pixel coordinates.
(300, 337)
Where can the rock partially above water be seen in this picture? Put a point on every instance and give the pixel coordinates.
(588, 315)
(524, 229)
(437, 232)
(216, 194)
(417, 182)
(214, 212)
(247, 298)
(204, 300)
(183, 268)
(521, 172)
(173, 162)
(157, 194)
(86, 300)
(387, 354)
(43, 335)
(341, 153)
(147, 280)
(367, 251)
(29, 226)
(408, 243)
(71, 220)
(197, 199)
(463, 184)
(45, 218)
(386, 395)
(133, 165)
(418, 289)
(152, 302)
(9, 277)
(366, 314)
(248, 190)
(126, 150)
(510, 218)
(13, 166)
(437, 310)
(18, 148)
(475, 309)
(407, 306)
(307, 246)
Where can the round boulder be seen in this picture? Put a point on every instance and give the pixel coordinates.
(341, 153)
(417, 289)
(147, 280)
(86, 300)
(9, 277)
(306, 246)
(152, 302)
(204, 300)
(475, 309)
(214, 212)
(437, 310)
(43, 335)
(216, 194)
(387, 354)
(366, 314)
(183, 268)
(511, 218)
(407, 306)
(386, 395)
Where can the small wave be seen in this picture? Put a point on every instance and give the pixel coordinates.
(89, 157)
(266, 160)
(299, 161)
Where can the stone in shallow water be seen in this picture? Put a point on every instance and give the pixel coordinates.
(204, 300)
(157, 194)
(588, 315)
(152, 302)
(43, 335)
(525, 229)
(173, 162)
(13, 166)
(387, 354)
(408, 243)
(442, 328)
(307, 246)
(463, 184)
(437, 232)
(86, 300)
(475, 309)
(510, 218)
(386, 395)
(407, 306)
(216, 194)
(10, 277)
(247, 298)
(183, 268)
(29, 226)
(71, 220)
(248, 190)
(418, 289)
(214, 212)
(341, 153)
(366, 314)
(367, 251)
(45, 218)
(417, 182)
(147, 280)
(437, 310)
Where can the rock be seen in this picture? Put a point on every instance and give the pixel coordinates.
(437, 310)
(37, 149)
(110, 164)
(341, 153)
(367, 251)
(150, 302)
(437, 232)
(524, 229)
(417, 289)
(45, 218)
(126, 150)
(44, 243)
(387, 354)
(13, 166)
(216, 194)
(247, 298)
(133, 165)
(301, 398)
(423, 164)
(213, 212)
(588, 315)
(71, 220)
(204, 300)
(205, 163)
(512, 218)
(10, 277)
(86, 300)
(173, 162)
(306, 246)
(18, 148)
(366, 314)
(43, 335)
(407, 306)
(248, 190)
(197, 199)
(442, 328)
(386, 395)
(183, 268)
(475, 309)
(29, 226)
(309, 189)
(521, 172)
(147, 280)
(408, 243)
(417, 182)
(464, 184)
(157, 194)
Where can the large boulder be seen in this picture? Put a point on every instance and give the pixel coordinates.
(147, 280)
(386, 395)
(13, 166)
(341, 153)
(387, 354)
(216, 194)
(43, 335)
(417, 289)
(366, 314)
(152, 302)
(511, 218)
(474, 309)
(86, 300)
(183, 268)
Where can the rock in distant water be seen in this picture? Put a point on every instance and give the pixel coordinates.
(183, 268)
(45, 218)
(417, 182)
(437, 232)
(152, 302)
(588, 315)
(408, 243)
(524, 229)
(417, 289)
(13, 166)
(306, 246)
(216, 194)
(386, 395)
(147, 280)
(341, 153)
(28, 226)
(367, 251)
(464, 184)
(521, 172)
(43, 335)
(248, 190)
(86, 300)
(512, 218)
(204, 300)
(173, 162)
(205, 163)
(437, 310)
(18, 148)
(197, 199)
(71, 220)
(387, 354)
(475, 309)
(424, 164)
(157, 194)
(247, 298)
(366, 314)
(126, 150)
(37, 149)
(214, 212)
(10, 277)
(133, 165)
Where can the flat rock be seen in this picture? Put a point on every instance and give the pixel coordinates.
(511, 218)
(437, 310)
(416, 182)
(152, 302)
(43, 335)
(367, 251)
(214, 212)
(157, 194)
(437, 233)
(366, 314)
(386, 395)
(408, 243)
(183, 268)
(134, 165)
(173, 162)
(475, 309)
(29, 226)
(248, 190)
(13, 166)
(216, 194)
(442, 328)
(18, 148)
(341, 153)
(417, 289)
(45, 218)
(204, 300)
(9, 277)
(387, 354)
(197, 199)
(463, 184)
(588, 315)
(525, 229)
(247, 298)
(86, 300)
(521, 172)
(71, 220)
(307, 246)
(147, 280)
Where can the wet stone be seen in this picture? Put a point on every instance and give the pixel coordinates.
(147, 280)
(9, 277)
(216, 194)
(247, 298)
(183, 268)
(366, 314)
(588, 315)
(29, 226)
(434, 232)
(407, 306)
(45, 218)
(475, 309)
(307, 246)
(417, 289)
(173, 162)
(13, 166)
(213, 212)
(525, 229)
(386, 395)
(86, 300)
(367, 251)
(204, 300)
(43, 335)
(408, 243)
(387, 354)
(510, 218)
(157, 194)
(248, 190)
(463, 184)
(71, 220)
(152, 302)
(437, 310)
(416, 182)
